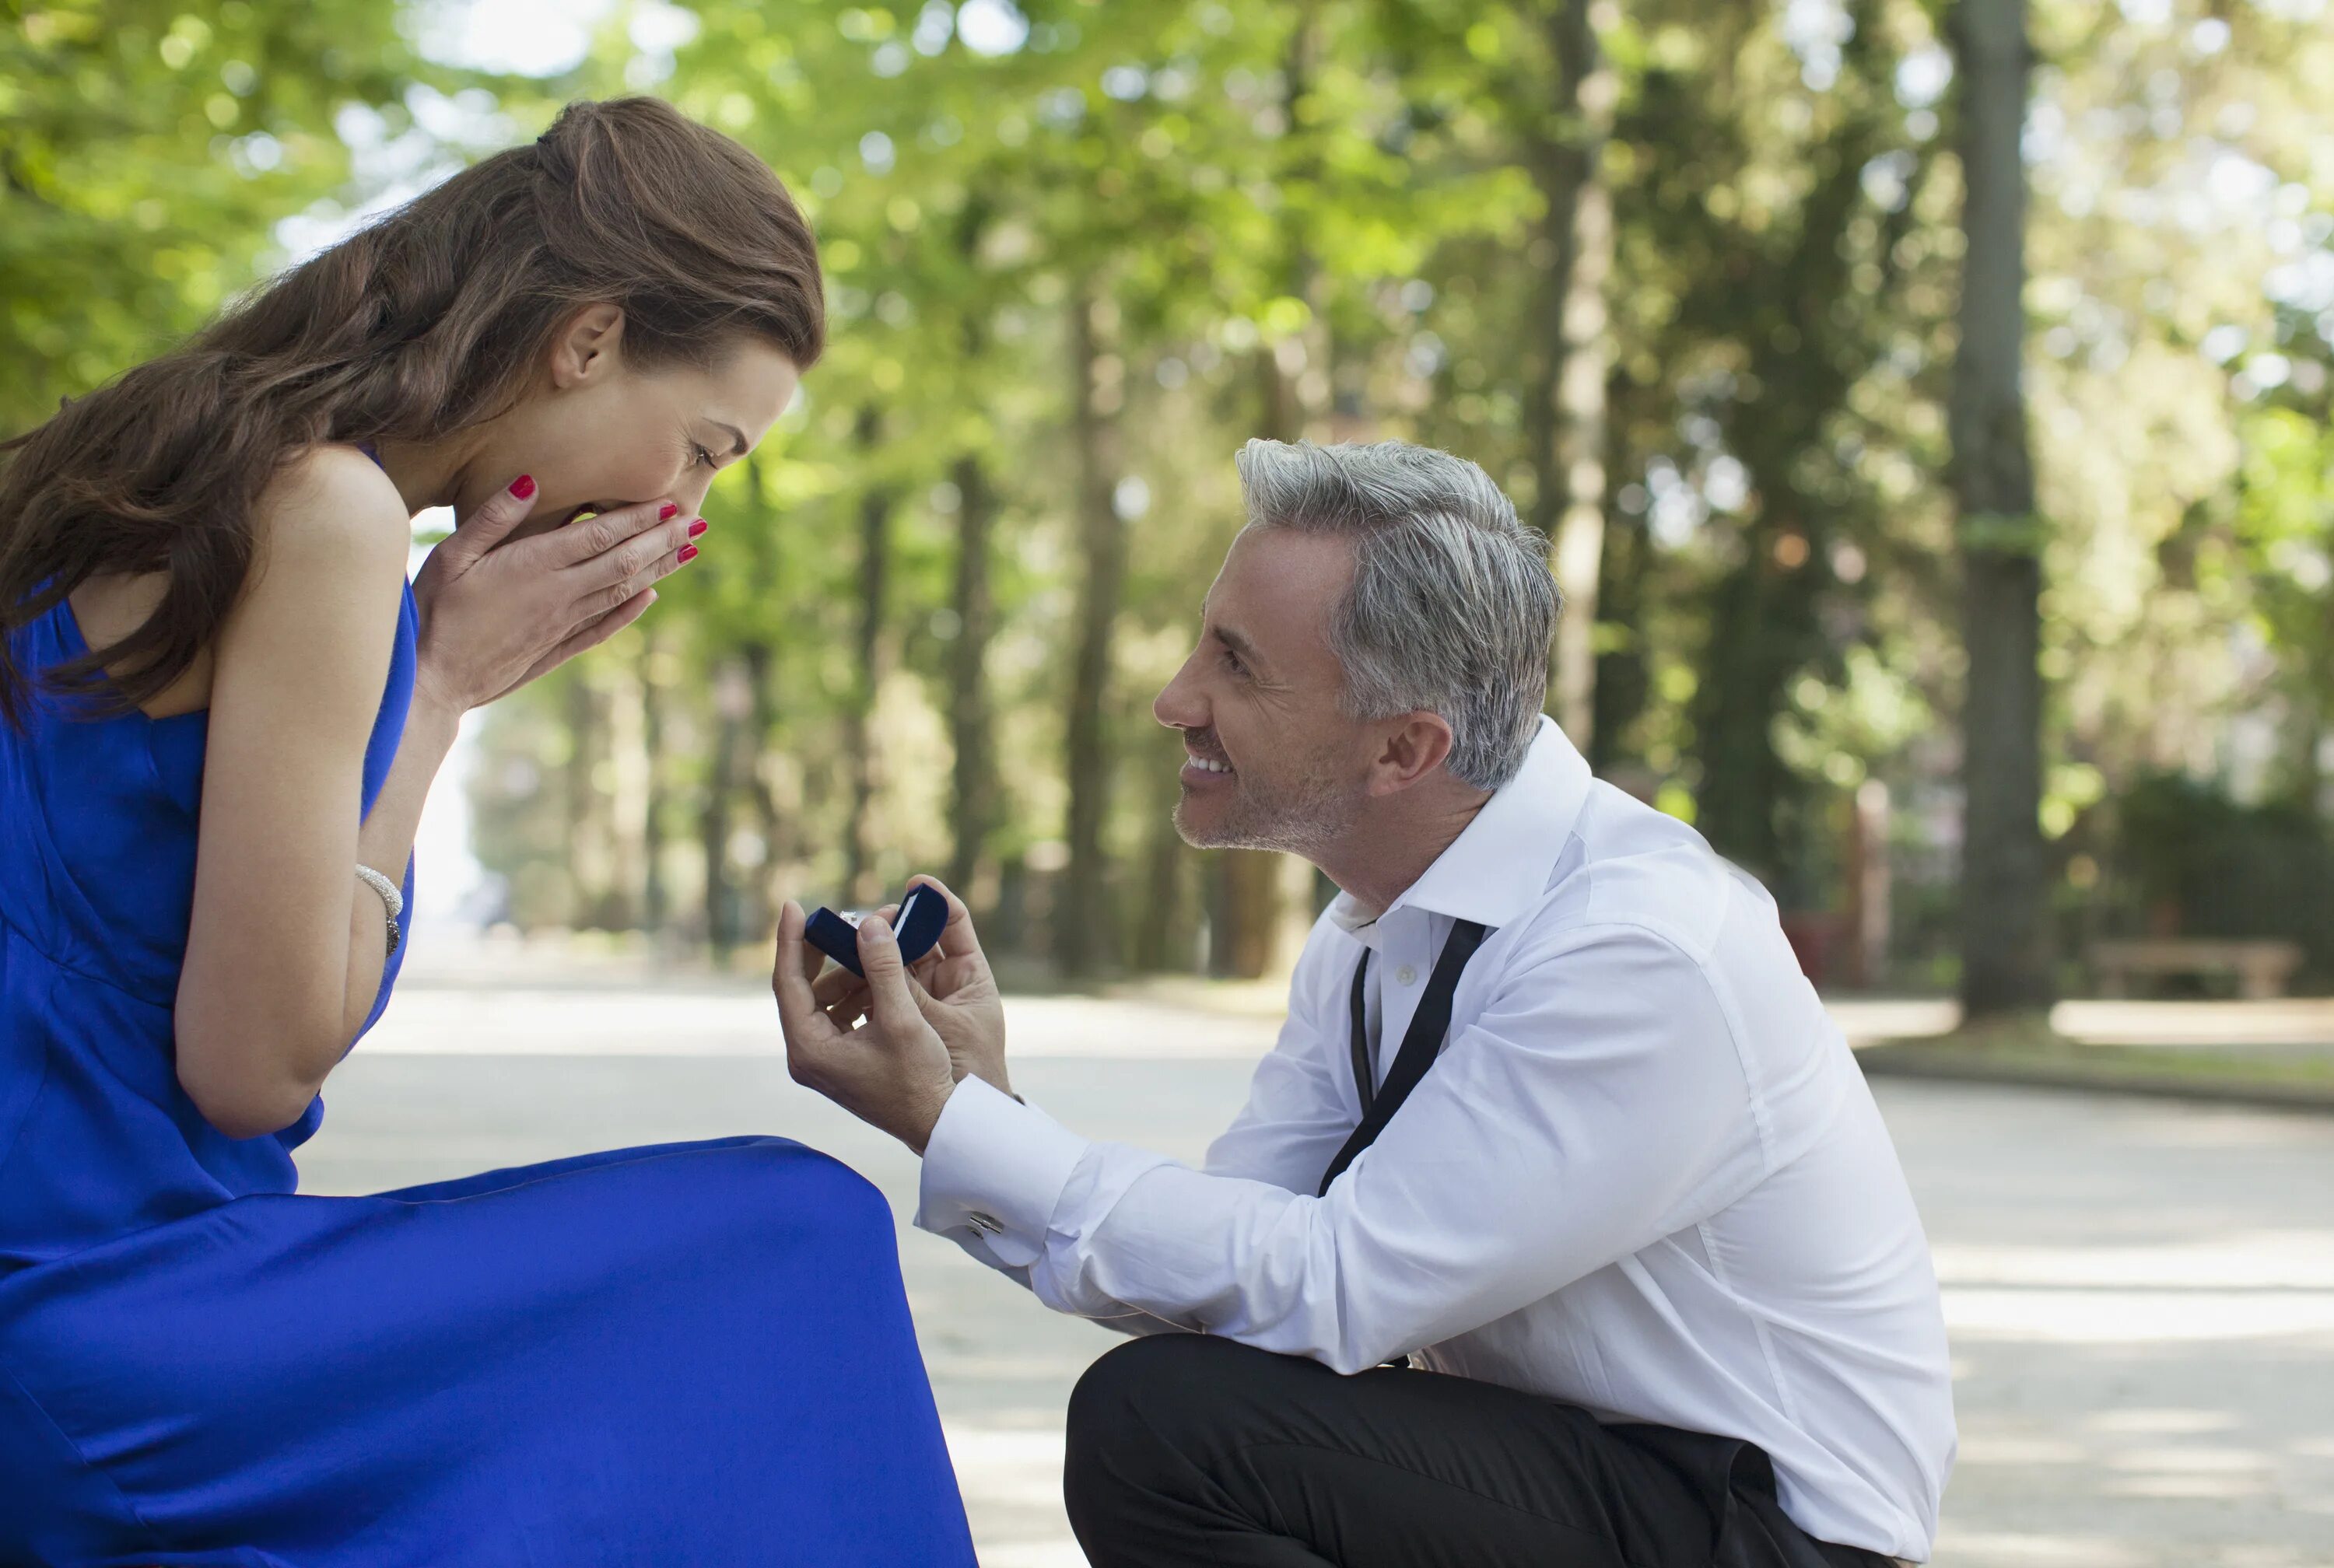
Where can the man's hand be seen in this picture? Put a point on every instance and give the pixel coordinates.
(891, 1070)
(952, 988)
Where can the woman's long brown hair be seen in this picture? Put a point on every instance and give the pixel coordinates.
(426, 321)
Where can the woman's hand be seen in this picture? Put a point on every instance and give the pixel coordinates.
(496, 615)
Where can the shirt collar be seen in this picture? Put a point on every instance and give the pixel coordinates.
(1500, 862)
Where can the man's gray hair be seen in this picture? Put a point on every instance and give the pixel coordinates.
(1451, 607)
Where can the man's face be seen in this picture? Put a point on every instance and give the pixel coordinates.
(1273, 763)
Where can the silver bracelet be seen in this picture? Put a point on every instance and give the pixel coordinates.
(392, 900)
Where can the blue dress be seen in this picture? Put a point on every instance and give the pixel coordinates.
(689, 1354)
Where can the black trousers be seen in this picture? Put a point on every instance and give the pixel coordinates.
(1187, 1449)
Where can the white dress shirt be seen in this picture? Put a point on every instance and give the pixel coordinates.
(1644, 1177)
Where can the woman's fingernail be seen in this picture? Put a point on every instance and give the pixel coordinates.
(523, 487)
(665, 513)
(653, 596)
(696, 528)
(688, 553)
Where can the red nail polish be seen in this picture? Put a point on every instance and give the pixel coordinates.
(688, 553)
(665, 512)
(696, 528)
(523, 487)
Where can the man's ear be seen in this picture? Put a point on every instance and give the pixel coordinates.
(585, 349)
(1415, 746)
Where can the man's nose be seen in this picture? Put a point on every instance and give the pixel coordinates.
(1179, 704)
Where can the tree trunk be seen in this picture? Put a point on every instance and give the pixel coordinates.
(2305, 742)
(1243, 887)
(2005, 937)
(1244, 900)
(974, 794)
(1082, 928)
(1623, 676)
(763, 760)
(629, 767)
(730, 705)
(1763, 632)
(1250, 921)
(1765, 612)
(859, 719)
(588, 854)
(1162, 928)
(761, 741)
(655, 898)
(971, 727)
(1566, 411)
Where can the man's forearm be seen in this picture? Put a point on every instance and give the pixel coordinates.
(1117, 1316)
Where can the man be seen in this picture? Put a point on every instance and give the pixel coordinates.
(1555, 1116)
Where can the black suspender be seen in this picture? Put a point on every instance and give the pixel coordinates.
(1420, 1046)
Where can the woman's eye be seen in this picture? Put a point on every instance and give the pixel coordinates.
(704, 457)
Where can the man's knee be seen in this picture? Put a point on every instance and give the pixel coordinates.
(1138, 1410)
(1165, 1377)
(1134, 1419)
(1125, 1389)
(1156, 1408)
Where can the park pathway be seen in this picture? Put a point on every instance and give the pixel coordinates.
(2140, 1293)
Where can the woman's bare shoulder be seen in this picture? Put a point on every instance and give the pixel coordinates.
(331, 540)
(330, 528)
(331, 509)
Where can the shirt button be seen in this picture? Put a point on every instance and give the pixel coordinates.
(1406, 976)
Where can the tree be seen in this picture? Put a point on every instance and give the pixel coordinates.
(2005, 943)
(1351, 218)
(1806, 335)
(1565, 415)
(1083, 924)
(861, 748)
(146, 148)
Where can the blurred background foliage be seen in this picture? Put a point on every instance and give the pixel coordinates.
(1685, 279)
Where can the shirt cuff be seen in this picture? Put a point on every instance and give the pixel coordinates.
(996, 1166)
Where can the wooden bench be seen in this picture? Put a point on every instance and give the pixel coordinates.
(2262, 966)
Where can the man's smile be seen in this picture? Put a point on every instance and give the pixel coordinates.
(1202, 764)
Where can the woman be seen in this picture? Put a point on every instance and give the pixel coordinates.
(223, 708)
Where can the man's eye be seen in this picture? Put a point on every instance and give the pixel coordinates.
(1233, 660)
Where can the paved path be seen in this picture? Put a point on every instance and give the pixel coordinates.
(2141, 1294)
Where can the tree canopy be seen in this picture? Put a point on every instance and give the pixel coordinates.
(1687, 281)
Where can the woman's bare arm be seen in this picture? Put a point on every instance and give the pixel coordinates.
(283, 955)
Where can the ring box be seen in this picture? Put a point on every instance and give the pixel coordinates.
(923, 915)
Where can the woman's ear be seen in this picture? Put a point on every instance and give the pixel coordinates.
(585, 349)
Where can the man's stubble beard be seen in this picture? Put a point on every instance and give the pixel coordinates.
(1317, 809)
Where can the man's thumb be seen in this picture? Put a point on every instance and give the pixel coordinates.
(888, 1001)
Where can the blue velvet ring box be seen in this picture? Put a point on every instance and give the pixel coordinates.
(917, 926)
